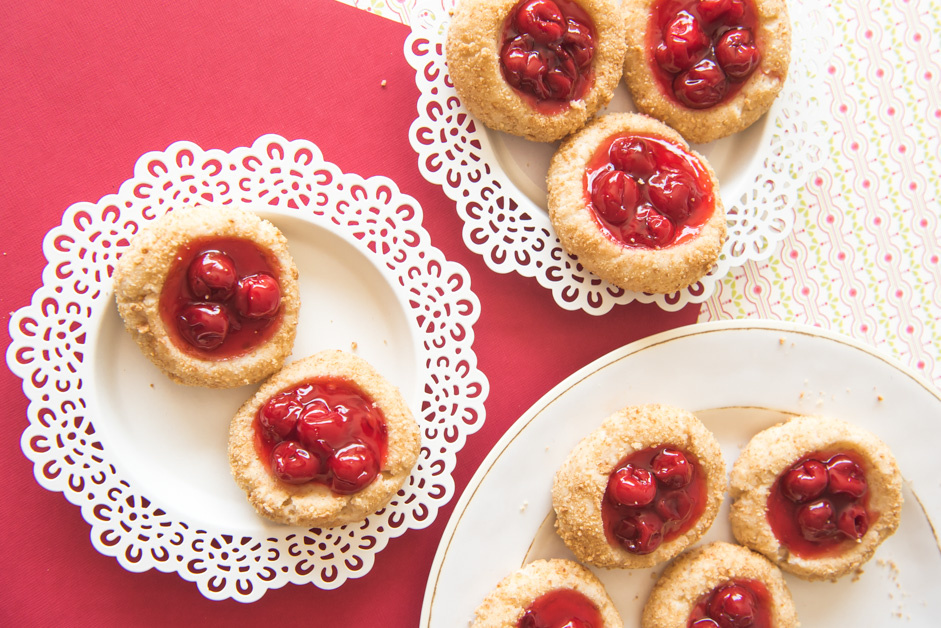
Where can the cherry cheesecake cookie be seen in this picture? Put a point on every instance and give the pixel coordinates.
(535, 68)
(210, 295)
(636, 205)
(720, 585)
(324, 442)
(552, 593)
(640, 489)
(708, 68)
(816, 496)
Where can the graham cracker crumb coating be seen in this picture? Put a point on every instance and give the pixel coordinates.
(473, 56)
(140, 274)
(772, 451)
(504, 606)
(638, 269)
(580, 482)
(751, 102)
(313, 504)
(699, 571)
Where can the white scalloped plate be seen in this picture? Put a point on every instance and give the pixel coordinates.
(738, 377)
(146, 459)
(498, 180)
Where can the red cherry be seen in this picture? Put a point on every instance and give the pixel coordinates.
(632, 155)
(712, 10)
(659, 229)
(705, 622)
(684, 43)
(737, 53)
(211, 276)
(853, 521)
(319, 426)
(816, 520)
(258, 296)
(352, 468)
(672, 468)
(559, 84)
(579, 42)
(633, 486)
(674, 194)
(614, 195)
(702, 86)
(733, 606)
(293, 464)
(805, 481)
(846, 476)
(641, 533)
(203, 325)
(674, 506)
(279, 415)
(542, 20)
(525, 67)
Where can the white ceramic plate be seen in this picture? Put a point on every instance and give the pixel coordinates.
(738, 377)
(146, 459)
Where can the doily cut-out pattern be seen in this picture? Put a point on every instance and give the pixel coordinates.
(54, 339)
(513, 234)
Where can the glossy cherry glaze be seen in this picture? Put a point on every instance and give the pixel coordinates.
(733, 604)
(652, 497)
(647, 192)
(324, 430)
(820, 504)
(546, 53)
(703, 51)
(561, 608)
(211, 303)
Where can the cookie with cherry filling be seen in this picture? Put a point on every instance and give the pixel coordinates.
(640, 489)
(324, 442)
(636, 205)
(720, 585)
(708, 68)
(535, 68)
(816, 496)
(546, 594)
(210, 295)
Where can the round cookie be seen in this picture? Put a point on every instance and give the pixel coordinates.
(589, 504)
(758, 494)
(764, 26)
(520, 592)
(331, 429)
(536, 109)
(156, 259)
(615, 190)
(687, 590)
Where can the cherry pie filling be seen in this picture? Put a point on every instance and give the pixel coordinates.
(703, 51)
(325, 431)
(221, 298)
(561, 608)
(820, 504)
(546, 53)
(647, 192)
(733, 604)
(653, 496)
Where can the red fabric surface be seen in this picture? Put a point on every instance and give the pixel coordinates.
(85, 89)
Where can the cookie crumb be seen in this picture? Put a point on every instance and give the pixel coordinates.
(383, 83)
(781, 341)
(880, 398)
(353, 345)
(524, 506)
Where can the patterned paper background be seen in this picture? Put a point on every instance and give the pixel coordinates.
(864, 255)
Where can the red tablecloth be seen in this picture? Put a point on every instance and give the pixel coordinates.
(85, 89)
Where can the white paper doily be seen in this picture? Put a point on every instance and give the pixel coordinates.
(498, 181)
(157, 489)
